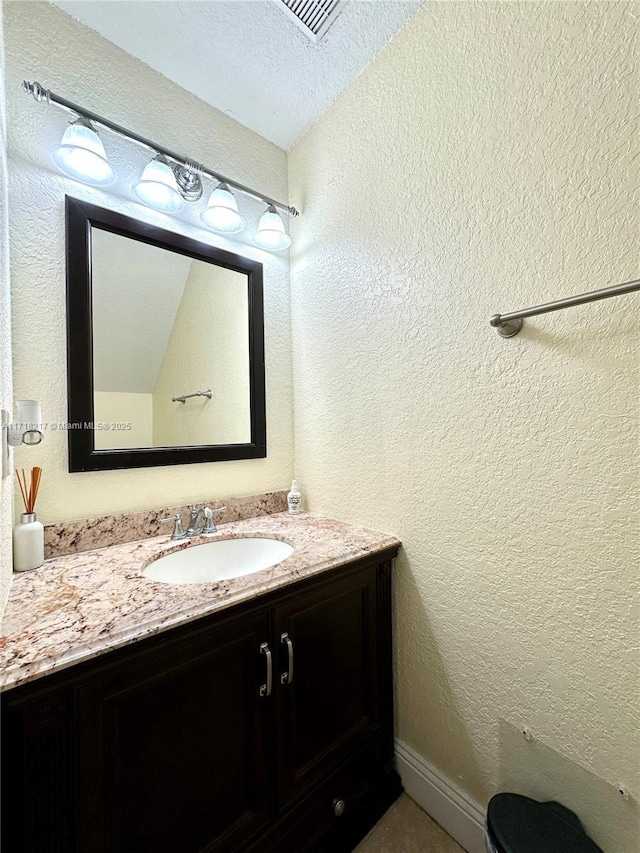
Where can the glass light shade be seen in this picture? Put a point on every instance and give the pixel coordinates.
(271, 234)
(221, 213)
(81, 155)
(157, 187)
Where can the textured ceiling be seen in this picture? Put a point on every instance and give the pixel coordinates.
(246, 57)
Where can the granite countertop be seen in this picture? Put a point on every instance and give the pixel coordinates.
(79, 606)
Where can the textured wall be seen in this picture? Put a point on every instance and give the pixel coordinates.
(6, 395)
(208, 348)
(122, 407)
(485, 161)
(44, 43)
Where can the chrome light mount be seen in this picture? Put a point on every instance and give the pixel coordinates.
(188, 180)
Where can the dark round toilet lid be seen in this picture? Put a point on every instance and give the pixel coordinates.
(521, 825)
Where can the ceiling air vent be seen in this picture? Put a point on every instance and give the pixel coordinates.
(314, 17)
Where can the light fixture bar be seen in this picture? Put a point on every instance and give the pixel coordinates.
(42, 94)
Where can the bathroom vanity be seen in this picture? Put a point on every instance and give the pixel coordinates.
(254, 714)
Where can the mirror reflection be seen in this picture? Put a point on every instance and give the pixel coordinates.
(170, 348)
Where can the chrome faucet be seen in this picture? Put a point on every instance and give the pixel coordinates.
(208, 525)
(194, 512)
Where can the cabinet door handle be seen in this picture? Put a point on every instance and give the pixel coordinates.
(265, 689)
(287, 677)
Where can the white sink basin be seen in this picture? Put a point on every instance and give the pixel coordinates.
(218, 560)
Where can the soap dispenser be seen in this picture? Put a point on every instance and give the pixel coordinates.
(294, 500)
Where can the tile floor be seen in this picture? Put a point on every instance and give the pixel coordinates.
(405, 828)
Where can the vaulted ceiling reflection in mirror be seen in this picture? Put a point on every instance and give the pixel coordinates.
(166, 325)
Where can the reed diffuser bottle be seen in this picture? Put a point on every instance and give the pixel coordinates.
(28, 535)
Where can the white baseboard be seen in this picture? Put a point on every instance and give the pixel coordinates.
(454, 810)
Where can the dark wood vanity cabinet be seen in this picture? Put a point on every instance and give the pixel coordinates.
(266, 727)
(173, 747)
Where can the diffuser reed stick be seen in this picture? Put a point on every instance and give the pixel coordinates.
(29, 492)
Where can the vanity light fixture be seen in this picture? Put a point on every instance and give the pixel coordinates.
(271, 234)
(167, 181)
(157, 186)
(221, 213)
(81, 155)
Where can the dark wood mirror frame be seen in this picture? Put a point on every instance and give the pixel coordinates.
(80, 218)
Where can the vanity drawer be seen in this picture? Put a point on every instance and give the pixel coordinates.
(332, 805)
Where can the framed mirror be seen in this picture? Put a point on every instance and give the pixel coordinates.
(165, 346)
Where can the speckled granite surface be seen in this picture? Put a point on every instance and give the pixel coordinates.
(79, 606)
(72, 537)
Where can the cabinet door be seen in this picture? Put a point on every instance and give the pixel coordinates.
(38, 785)
(331, 704)
(172, 747)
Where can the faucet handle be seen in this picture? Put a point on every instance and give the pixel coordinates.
(178, 530)
(209, 524)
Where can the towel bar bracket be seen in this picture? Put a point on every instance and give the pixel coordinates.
(505, 328)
